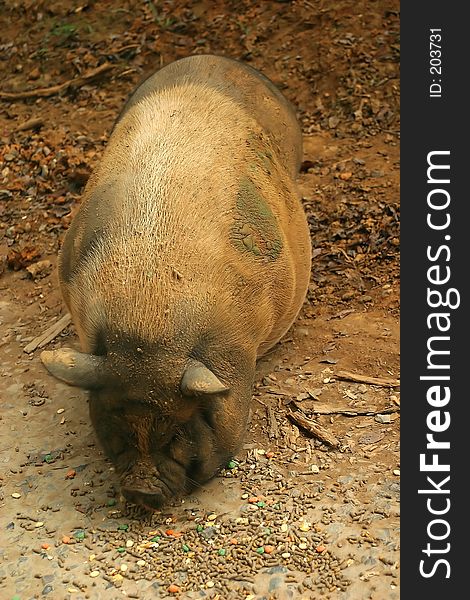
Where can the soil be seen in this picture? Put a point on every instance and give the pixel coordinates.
(310, 506)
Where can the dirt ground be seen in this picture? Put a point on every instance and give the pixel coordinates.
(310, 506)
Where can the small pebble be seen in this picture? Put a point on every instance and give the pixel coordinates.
(16, 495)
(140, 563)
(210, 584)
(94, 574)
(396, 472)
(123, 567)
(129, 543)
(60, 411)
(212, 517)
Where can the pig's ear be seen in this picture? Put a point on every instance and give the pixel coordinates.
(199, 380)
(75, 368)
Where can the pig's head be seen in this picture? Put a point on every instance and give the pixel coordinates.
(165, 434)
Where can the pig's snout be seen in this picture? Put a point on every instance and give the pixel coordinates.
(148, 498)
(144, 487)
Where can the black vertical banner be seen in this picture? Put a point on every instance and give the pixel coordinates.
(435, 330)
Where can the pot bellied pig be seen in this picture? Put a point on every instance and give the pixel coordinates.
(188, 259)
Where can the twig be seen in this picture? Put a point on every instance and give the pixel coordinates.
(396, 133)
(273, 430)
(313, 428)
(127, 72)
(57, 89)
(30, 124)
(385, 80)
(323, 409)
(341, 314)
(50, 333)
(358, 378)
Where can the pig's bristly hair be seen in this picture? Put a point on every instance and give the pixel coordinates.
(168, 243)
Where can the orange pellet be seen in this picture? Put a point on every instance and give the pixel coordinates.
(173, 588)
(233, 541)
(66, 539)
(173, 533)
(44, 546)
(320, 548)
(70, 474)
(269, 454)
(253, 499)
(269, 549)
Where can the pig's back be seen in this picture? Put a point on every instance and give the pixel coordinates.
(193, 205)
(254, 92)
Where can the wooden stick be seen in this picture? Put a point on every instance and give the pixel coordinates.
(323, 409)
(30, 124)
(273, 430)
(358, 378)
(313, 428)
(48, 335)
(57, 89)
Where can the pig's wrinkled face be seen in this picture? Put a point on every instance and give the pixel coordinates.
(165, 453)
(167, 420)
